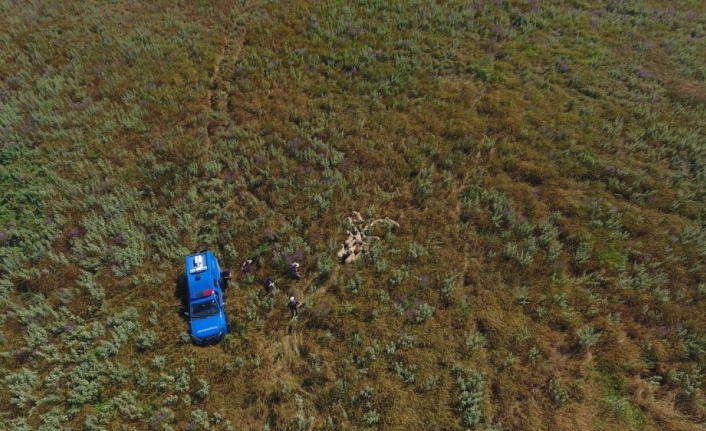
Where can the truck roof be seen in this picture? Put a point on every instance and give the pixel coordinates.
(202, 271)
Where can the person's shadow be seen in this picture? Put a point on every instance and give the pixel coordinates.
(181, 292)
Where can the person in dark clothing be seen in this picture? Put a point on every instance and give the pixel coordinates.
(246, 267)
(268, 285)
(225, 276)
(294, 270)
(294, 306)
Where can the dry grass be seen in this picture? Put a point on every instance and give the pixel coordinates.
(543, 161)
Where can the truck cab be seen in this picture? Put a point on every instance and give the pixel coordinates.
(207, 319)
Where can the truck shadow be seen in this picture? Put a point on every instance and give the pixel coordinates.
(181, 293)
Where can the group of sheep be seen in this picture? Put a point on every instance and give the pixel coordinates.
(357, 239)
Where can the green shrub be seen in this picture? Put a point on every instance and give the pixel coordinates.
(203, 389)
(690, 381)
(95, 292)
(398, 276)
(587, 336)
(448, 285)
(404, 373)
(522, 296)
(200, 418)
(416, 251)
(534, 354)
(475, 341)
(470, 398)
(145, 340)
(182, 379)
(371, 417)
(583, 253)
(127, 405)
(557, 393)
(422, 312)
(21, 386)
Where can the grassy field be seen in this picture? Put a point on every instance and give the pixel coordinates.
(545, 161)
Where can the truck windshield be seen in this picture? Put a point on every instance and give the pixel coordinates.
(204, 309)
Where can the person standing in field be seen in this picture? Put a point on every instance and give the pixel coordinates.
(246, 267)
(294, 270)
(225, 276)
(294, 306)
(268, 285)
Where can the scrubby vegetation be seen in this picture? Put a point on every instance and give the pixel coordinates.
(545, 161)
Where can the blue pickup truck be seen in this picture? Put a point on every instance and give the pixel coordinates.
(207, 320)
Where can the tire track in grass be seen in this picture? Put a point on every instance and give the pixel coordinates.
(229, 55)
(219, 88)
